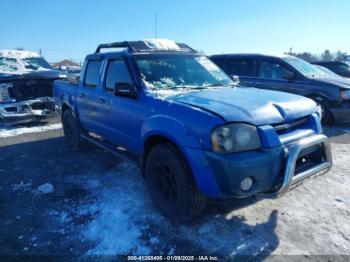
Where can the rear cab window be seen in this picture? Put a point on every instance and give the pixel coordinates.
(92, 73)
(117, 72)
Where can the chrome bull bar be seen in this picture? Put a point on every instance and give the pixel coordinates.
(292, 153)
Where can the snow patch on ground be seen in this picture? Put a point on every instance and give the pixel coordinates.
(122, 214)
(22, 186)
(11, 132)
(46, 188)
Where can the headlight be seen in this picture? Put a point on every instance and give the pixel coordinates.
(235, 138)
(345, 95)
(4, 93)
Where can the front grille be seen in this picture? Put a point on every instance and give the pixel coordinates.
(11, 109)
(309, 158)
(26, 89)
(42, 105)
(290, 126)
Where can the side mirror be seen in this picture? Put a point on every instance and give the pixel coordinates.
(235, 78)
(290, 76)
(125, 90)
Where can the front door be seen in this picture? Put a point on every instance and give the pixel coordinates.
(123, 115)
(272, 75)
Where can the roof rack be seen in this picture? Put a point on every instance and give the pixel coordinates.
(141, 46)
(124, 44)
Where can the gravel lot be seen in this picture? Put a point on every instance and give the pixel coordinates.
(99, 206)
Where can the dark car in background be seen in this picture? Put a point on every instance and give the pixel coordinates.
(293, 75)
(340, 68)
(327, 71)
(26, 81)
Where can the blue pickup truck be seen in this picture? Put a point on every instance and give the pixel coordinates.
(193, 131)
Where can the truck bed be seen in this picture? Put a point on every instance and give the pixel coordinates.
(64, 91)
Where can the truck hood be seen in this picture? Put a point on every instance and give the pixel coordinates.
(250, 105)
(337, 81)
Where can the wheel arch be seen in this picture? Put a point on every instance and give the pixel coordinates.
(327, 102)
(155, 139)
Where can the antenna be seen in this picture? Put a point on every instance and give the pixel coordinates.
(155, 30)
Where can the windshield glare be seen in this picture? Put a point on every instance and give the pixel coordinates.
(180, 71)
(36, 63)
(8, 64)
(304, 67)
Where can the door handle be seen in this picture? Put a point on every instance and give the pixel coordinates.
(82, 95)
(101, 100)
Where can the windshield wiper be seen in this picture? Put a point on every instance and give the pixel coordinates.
(217, 85)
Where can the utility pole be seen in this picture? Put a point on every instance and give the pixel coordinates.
(155, 30)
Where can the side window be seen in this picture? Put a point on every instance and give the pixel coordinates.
(242, 67)
(117, 72)
(92, 73)
(219, 61)
(272, 71)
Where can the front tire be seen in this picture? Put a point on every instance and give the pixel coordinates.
(72, 131)
(171, 185)
(327, 117)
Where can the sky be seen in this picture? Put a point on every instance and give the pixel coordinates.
(72, 29)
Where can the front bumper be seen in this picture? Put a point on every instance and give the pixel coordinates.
(273, 171)
(341, 114)
(293, 152)
(26, 111)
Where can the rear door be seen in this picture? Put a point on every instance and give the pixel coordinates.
(88, 95)
(245, 68)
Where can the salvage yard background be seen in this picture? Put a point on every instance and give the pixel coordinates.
(55, 201)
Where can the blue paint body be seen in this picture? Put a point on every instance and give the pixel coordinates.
(188, 120)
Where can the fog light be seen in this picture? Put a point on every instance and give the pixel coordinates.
(247, 184)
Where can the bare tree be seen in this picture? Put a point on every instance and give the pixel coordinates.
(341, 56)
(305, 56)
(327, 55)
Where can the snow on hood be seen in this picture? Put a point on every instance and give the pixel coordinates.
(166, 93)
(17, 54)
(19, 63)
(250, 105)
(162, 44)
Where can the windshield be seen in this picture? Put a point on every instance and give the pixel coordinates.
(343, 68)
(8, 64)
(180, 71)
(326, 70)
(36, 63)
(304, 67)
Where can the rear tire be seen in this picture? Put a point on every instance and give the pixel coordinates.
(72, 131)
(171, 185)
